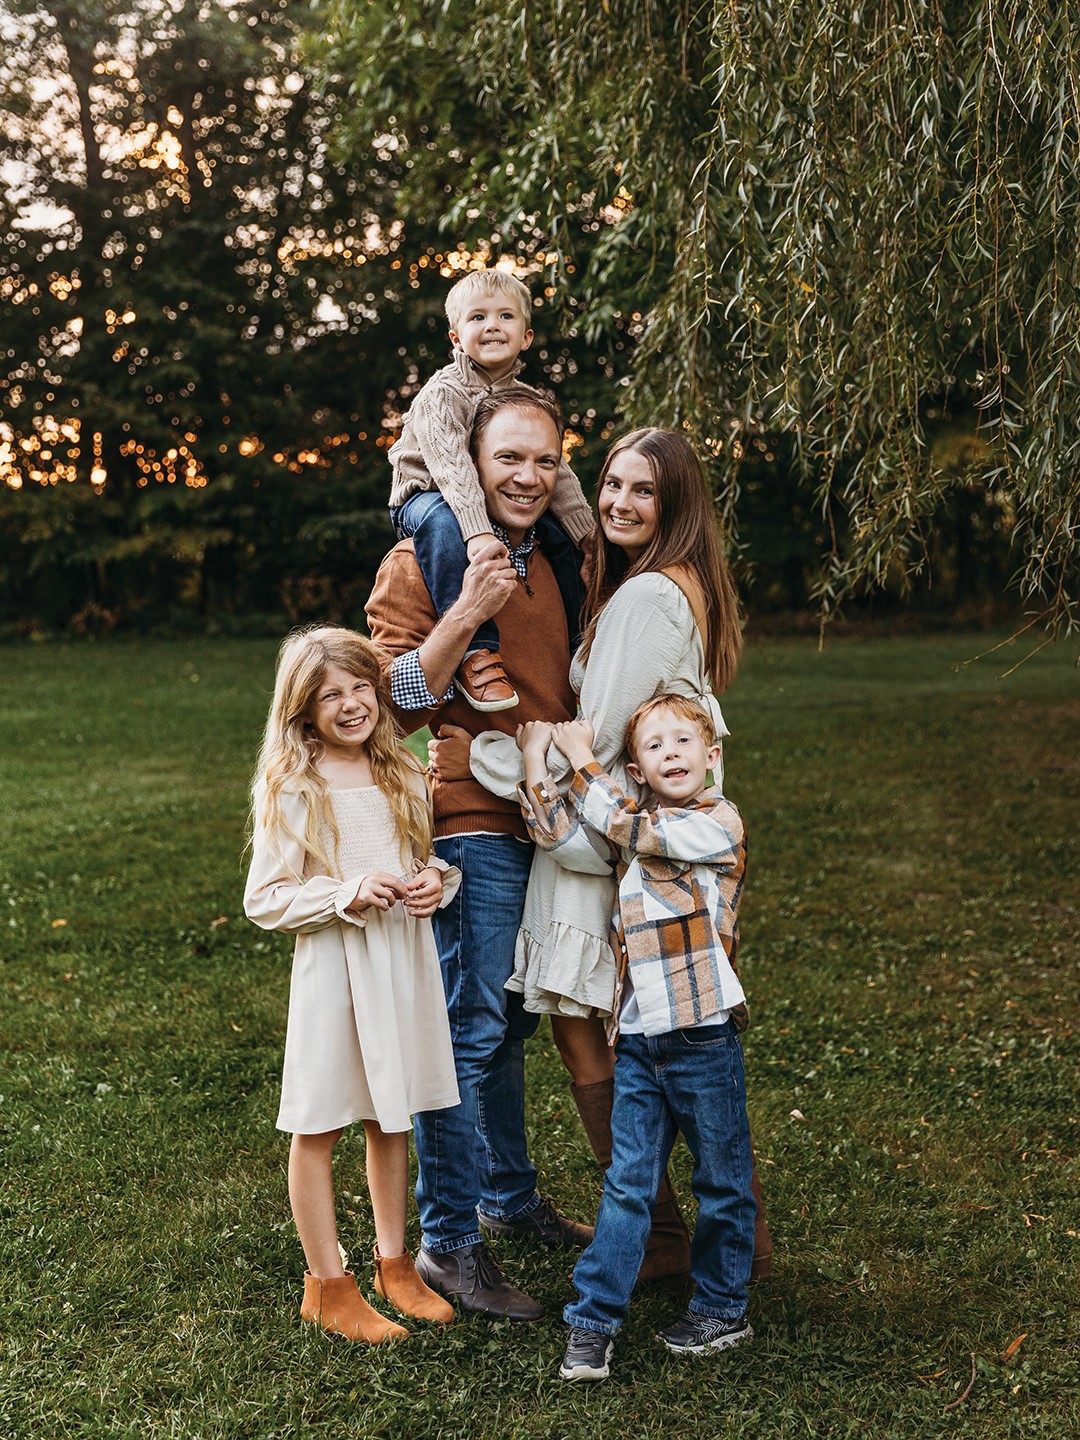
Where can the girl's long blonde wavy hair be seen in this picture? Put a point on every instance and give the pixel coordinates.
(687, 534)
(290, 748)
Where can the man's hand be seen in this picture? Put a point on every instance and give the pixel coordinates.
(489, 582)
(423, 893)
(380, 890)
(448, 753)
(575, 739)
(482, 542)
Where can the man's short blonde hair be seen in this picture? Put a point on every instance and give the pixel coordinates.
(484, 283)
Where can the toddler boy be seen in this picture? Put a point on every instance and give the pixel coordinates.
(436, 495)
(676, 1017)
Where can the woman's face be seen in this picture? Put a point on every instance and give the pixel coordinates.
(627, 504)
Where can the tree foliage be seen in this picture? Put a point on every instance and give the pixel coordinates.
(208, 323)
(829, 227)
(193, 373)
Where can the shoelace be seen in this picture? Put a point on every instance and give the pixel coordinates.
(546, 1212)
(578, 1336)
(487, 1272)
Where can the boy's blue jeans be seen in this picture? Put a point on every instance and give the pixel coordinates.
(689, 1081)
(443, 559)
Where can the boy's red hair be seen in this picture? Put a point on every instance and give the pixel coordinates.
(680, 705)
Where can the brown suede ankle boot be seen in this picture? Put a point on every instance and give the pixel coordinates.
(396, 1280)
(338, 1306)
(667, 1254)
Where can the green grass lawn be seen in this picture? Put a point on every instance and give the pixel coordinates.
(910, 950)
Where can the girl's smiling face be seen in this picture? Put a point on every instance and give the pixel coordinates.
(343, 712)
(627, 504)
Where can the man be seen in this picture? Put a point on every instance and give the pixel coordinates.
(473, 1158)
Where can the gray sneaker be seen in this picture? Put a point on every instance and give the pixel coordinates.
(697, 1333)
(587, 1355)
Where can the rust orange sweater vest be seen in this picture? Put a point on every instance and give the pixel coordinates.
(536, 652)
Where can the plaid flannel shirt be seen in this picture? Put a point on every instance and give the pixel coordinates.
(680, 878)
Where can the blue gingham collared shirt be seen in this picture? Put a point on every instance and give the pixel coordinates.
(408, 688)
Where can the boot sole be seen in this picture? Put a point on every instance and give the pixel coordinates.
(488, 707)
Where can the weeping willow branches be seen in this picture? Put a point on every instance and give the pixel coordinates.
(831, 220)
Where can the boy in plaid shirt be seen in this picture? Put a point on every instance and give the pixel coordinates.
(676, 1017)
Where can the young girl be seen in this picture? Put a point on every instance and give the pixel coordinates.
(341, 859)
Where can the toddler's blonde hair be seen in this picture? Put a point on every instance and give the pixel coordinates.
(484, 283)
(290, 747)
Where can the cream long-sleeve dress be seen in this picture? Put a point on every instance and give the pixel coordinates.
(646, 643)
(368, 1036)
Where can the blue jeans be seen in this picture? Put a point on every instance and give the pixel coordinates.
(475, 1154)
(688, 1080)
(443, 559)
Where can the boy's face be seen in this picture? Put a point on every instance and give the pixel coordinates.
(493, 332)
(672, 758)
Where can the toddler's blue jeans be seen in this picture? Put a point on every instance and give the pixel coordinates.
(443, 559)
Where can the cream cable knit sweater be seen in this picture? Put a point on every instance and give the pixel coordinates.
(433, 452)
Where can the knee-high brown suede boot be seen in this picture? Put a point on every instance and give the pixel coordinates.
(668, 1251)
(667, 1255)
(338, 1306)
(761, 1265)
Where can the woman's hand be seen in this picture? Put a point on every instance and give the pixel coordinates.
(380, 890)
(575, 739)
(448, 753)
(423, 893)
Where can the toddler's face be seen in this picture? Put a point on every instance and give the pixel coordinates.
(493, 332)
(672, 757)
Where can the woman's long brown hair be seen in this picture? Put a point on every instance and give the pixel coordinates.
(687, 534)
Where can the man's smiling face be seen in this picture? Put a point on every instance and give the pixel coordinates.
(518, 459)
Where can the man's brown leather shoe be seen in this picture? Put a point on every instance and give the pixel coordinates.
(482, 680)
(471, 1277)
(545, 1223)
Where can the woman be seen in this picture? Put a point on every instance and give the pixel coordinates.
(661, 616)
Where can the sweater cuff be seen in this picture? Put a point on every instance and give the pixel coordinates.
(472, 519)
(579, 523)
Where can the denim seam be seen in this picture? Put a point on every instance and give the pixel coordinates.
(610, 1330)
(452, 1247)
